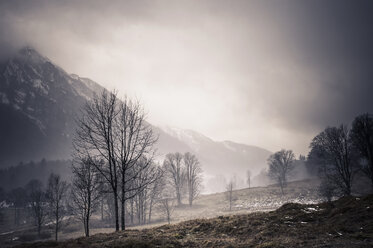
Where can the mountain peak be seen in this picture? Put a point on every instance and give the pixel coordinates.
(40, 101)
(192, 138)
(30, 54)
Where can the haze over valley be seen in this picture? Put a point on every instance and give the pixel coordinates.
(209, 123)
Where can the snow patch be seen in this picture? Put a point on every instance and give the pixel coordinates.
(15, 106)
(181, 135)
(20, 97)
(229, 146)
(38, 123)
(30, 109)
(4, 204)
(38, 84)
(310, 210)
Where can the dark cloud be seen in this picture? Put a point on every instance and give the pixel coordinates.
(291, 67)
(335, 38)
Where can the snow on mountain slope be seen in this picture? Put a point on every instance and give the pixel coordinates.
(221, 159)
(192, 139)
(39, 102)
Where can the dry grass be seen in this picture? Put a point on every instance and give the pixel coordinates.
(206, 206)
(345, 223)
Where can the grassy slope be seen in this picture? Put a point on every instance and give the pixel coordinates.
(246, 201)
(345, 223)
(205, 206)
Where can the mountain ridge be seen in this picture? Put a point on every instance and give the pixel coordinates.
(42, 98)
(40, 101)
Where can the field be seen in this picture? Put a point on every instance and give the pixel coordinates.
(206, 206)
(342, 223)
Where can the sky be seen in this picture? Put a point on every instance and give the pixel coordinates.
(267, 73)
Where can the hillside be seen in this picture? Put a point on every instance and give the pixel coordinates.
(218, 156)
(41, 101)
(344, 223)
(245, 201)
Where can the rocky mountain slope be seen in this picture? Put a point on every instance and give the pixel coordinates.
(38, 104)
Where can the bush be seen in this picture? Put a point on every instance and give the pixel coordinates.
(327, 190)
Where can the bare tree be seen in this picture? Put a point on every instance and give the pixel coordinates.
(156, 189)
(110, 209)
(85, 190)
(37, 200)
(96, 139)
(18, 197)
(327, 189)
(280, 166)
(145, 199)
(134, 151)
(229, 192)
(334, 150)
(361, 136)
(56, 193)
(138, 187)
(193, 176)
(175, 173)
(117, 132)
(167, 207)
(248, 179)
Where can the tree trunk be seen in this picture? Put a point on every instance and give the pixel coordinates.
(123, 205)
(370, 169)
(87, 226)
(348, 188)
(102, 209)
(150, 210)
(15, 216)
(178, 196)
(56, 234)
(123, 212)
(116, 210)
(190, 196)
(88, 213)
(131, 211)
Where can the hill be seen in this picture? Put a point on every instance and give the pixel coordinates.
(39, 102)
(205, 206)
(342, 223)
(216, 157)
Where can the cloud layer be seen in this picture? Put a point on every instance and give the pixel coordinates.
(267, 73)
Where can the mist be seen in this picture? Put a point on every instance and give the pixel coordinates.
(260, 73)
(236, 107)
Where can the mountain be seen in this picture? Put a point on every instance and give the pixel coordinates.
(39, 102)
(219, 160)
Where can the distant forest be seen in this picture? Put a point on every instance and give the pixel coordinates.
(19, 175)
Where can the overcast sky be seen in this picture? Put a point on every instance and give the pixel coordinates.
(265, 73)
